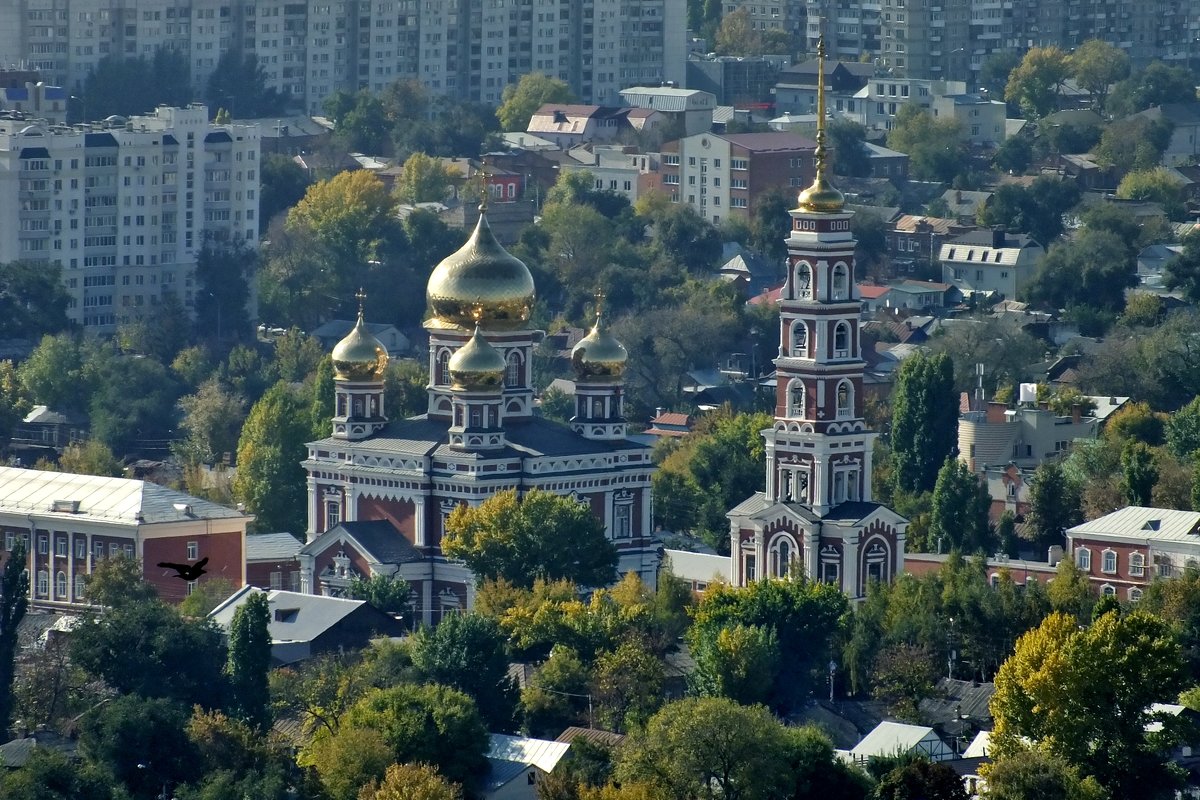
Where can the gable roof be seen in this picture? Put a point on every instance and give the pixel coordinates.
(272, 546)
(1161, 524)
(541, 753)
(890, 738)
(306, 616)
(377, 539)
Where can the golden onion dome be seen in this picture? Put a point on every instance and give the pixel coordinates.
(822, 197)
(599, 356)
(481, 275)
(477, 366)
(360, 356)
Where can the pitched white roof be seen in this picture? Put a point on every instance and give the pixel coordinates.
(697, 566)
(979, 746)
(1159, 524)
(120, 501)
(295, 617)
(541, 753)
(890, 738)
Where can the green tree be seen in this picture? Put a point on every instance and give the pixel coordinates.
(708, 748)
(141, 742)
(250, 660)
(211, 423)
(1070, 592)
(133, 407)
(996, 68)
(391, 595)
(468, 652)
(270, 480)
(208, 594)
(14, 405)
(770, 221)
(1133, 143)
(1157, 185)
(427, 724)
(1139, 473)
(1092, 269)
(740, 663)
(360, 121)
(538, 535)
(1155, 85)
(411, 782)
(556, 696)
(924, 421)
(1178, 602)
(33, 300)
(14, 602)
(1030, 774)
(90, 457)
(1183, 271)
(960, 509)
(520, 100)
(128, 86)
(1015, 155)
(1036, 82)
(117, 582)
(1037, 210)
(283, 182)
(850, 157)
(239, 83)
(921, 779)
(1085, 695)
(1183, 430)
(54, 375)
(423, 180)
(936, 147)
(1053, 504)
(737, 36)
(51, 775)
(904, 675)
(627, 685)
(1097, 65)
(223, 275)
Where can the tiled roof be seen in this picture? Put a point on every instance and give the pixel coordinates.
(871, 292)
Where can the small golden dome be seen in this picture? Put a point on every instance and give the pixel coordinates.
(599, 356)
(360, 356)
(477, 366)
(481, 275)
(821, 197)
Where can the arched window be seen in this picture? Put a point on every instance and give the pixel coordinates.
(803, 280)
(781, 557)
(60, 584)
(512, 373)
(1108, 590)
(840, 288)
(845, 400)
(796, 400)
(1135, 594)
(443, 368)
(1083, 559)
(799, 339)
(841, 340)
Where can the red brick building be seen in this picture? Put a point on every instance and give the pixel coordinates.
(70, 522)
(1122, 552)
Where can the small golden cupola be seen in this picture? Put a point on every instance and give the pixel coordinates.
(477, 366)
(483, 276)
(359, 356)
(822, 197)
(599, 357)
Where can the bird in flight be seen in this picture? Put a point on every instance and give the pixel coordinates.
(187, 572)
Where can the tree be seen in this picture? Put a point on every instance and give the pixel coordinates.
(1037, 210)
(553, 700)
(208, 594)
(133, 407)
(224, 274)
(423, 180)
(33, 300)
(741, 663)
(360, 121)
(211, 423)
(141, 742)
(996, 68)
(1178, 602)
(921, 779)
(1015, 155)
(90, 457)
(50, 775)
(936, 147)
(148, 649)
(13, 604)
(520, 100)
(736, 35)
(391, 595)
(428, 724)
(239, 83)
(707, 748)
(1183, 271)
(411, 782)
(117, 582)
(1133, 143)
(468, 652)
(1029, 774)
(128, 86)
(627, 684)
(924, 420)
(960, 509)
(1139, 473)
(846, 137)
(770, 221)
(1053, 504)
(538, 535)
(1096, 65)
(270, 480)
(283, 182)
(250, 660)
(1157, 185)
(1035, 83)
(904, 675)
(1093, 269)
(1155, 85)
(1183, 430)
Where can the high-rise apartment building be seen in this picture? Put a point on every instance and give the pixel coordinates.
(125, 206)
(468, 49)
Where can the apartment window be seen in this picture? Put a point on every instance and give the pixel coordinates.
(1165, 567)
(81, 548)
(622, 520)
(10, 541)
(1083, 559)
(191, 588)
(43, 583)
(276, 580)
(43, 545)
(739, 163)
(80, 586)
(1137, 565)
(1108, 563)
(193, 550)
(60, 584)
(60, 546)
(129, 551)
(98, 550)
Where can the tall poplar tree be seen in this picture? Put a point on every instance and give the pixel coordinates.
(250, 660)
(924, 421)
(13, 603)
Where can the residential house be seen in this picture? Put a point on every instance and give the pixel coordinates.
(922, 296)
(1089, 175)
(965, 205)
(752, 273)
(1122, 552)
(1184, 146)
(689, 111)
(616, 168)
(982, 118)
(670, 424)
(332, 332)
(912, 239)
(991, 262)
(47, 429)
(271, 561)
(885, 163)
(69, 523)
(796, 89)
(897, 739)
(568, 125)
(303, 625)
(874, 298)
(517, 763)
(720, 176)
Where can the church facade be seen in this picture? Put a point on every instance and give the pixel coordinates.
(816, 515)
(380, 491)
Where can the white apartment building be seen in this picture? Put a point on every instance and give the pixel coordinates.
(469, 49)
(617, 169)
(125, 206)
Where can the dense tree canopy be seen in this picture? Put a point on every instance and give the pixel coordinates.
(520, 100)
(936, 148)
(924, 420)
(270, 480)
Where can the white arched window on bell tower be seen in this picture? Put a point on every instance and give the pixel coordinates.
(443, 368)
(845, 400)
(512, 370)
(841, 340)
(840, 287)
(781, 554)
(803, 281)
(796, 399)
(799, 339)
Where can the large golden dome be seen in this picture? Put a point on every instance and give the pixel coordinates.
(599, 356)
(822, 197)
(360, 356)
(477, 366)
(481, 276)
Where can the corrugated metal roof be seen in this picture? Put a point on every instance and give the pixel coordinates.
(116, 500)
(593, 735)
(1160, 524)
(502, 771)
(890, 738)
(541, 753)
(313, 614)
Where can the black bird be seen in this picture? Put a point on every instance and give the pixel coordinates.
(187, 572)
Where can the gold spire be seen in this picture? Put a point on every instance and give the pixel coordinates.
(821, 197)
